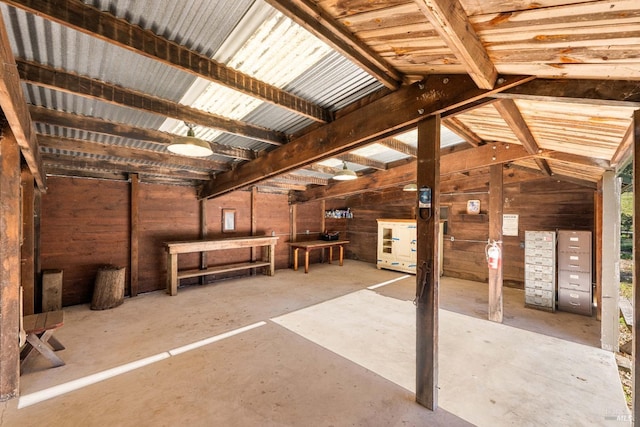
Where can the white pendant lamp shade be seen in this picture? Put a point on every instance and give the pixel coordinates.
(410, 187)
(190, 145)
(345, 174)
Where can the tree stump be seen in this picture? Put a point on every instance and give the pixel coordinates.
(108, 290)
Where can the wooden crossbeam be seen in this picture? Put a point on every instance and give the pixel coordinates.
(316, 20)
(362, 161)
(511, 115)
(399, 109)
(42, 75)
(104, 127)
(399, 146)
(452, 24)
(119, 166)
(134, 154)
(450, 163)
(106, 27)
(14, 109)
(456, 126)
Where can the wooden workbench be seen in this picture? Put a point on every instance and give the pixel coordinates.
(316, 244)
(175, 248)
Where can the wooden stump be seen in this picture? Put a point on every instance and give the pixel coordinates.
(51, 290)
(108, 291)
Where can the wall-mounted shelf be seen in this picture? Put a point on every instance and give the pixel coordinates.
(339, 213)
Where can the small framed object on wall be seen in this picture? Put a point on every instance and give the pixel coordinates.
(473, 206)
(228, 220)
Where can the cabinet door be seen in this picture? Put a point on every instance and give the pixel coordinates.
(405, 242)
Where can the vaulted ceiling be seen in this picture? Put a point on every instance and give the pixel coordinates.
(285, 91)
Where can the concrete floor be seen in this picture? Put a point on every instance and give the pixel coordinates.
(318, 349)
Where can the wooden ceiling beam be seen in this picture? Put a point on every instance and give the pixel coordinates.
(106, 27)
(302, 178)
(399, 146)
(135, 154)
(479, 157)
(625, 149)
(622, 93)
(576, 159)
(56, 79)
(511, 115)
(451, 22)
(456, 126)
(104, 127)
(309, 15)
(406, 106)
(362, 161)
(119, 166)
(58, 170)
(14, 108)
(560, 177)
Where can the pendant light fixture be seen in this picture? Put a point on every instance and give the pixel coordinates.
(190, 145)
(345, 174)
(410, 187)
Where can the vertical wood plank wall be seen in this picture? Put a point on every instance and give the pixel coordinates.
(86, 224)
(541, 203)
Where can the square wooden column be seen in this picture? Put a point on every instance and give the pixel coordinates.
(10, 223)
(495, 234)
(427, 278)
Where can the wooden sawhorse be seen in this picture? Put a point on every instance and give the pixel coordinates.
(39, 329)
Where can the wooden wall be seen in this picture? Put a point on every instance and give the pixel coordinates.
(86, 224)
(542, 203)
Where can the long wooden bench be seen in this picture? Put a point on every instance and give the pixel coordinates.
(268, 243)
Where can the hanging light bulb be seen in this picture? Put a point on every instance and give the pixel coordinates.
(345, 174)
(190, 145)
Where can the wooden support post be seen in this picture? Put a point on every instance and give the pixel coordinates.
(28, 263)
(597, 245)
(636, 265)
(204, 232)
(293, 227)
(428, 175)
(607, 258)
(10, 222)
(495, 234)
(135, 215)
(254, 222)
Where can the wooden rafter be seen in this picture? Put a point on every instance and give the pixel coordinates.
(120, 166)
(452, 24)
(362, 161)
(56, 79)
(451, 163)
(397, 110)
(134, 154)
(576, 159)
(559, 177)
(399, 146)
(14, 109)
(311, 16)
(511, 115)
(622, 93)
(104, 127)
(625, 148)
(456, 126)
(301, 178)
(104, 26)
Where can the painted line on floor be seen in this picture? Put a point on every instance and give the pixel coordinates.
(59, 390)
(388, 282)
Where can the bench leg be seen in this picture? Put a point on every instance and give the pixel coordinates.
(39, 344)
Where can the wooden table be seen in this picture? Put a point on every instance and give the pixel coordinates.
(316, 244)
(39, 329)
(175, 248)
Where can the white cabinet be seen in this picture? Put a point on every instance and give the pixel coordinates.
(397, 248)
